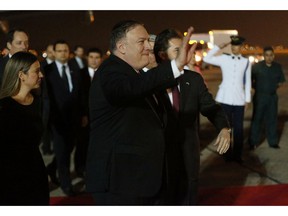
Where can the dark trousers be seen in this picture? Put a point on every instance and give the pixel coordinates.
(183, 162)
(265, 109)
(235, 116)
(113, 199)
(81, 150)
(63, 146)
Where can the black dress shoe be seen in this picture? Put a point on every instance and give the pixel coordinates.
(275, 147)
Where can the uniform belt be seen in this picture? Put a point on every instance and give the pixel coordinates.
(266, 93)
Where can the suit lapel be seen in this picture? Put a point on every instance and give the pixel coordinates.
(184, 89)
(155, 107)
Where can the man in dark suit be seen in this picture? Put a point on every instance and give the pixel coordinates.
(49, 58)
(63, 92)
(94, 59)
(47, 138)
(17, 40)
(79, 61)
(183, 147)
(125, 158)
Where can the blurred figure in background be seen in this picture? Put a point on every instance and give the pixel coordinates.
(63, 92)
(4, 52)
(234, 92)
(152, 60)
(267, 76)
(78, 61)
(17, 40)
(50, 56)
(94, 59)
(47, 134)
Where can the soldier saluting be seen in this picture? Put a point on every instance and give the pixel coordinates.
(234, 92)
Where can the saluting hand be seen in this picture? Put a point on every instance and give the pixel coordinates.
(221, 46)
(223, 141)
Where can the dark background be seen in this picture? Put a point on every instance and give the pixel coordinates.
(260, 28)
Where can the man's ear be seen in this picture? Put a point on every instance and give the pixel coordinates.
(121, 46)
(8, 45)
(163, 55)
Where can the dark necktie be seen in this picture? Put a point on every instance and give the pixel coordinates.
(175, 98)
(65, 78)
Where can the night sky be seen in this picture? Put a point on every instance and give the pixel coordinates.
(258, 27)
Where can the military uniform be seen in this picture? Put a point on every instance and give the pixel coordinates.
(234, 92)
(265, 81)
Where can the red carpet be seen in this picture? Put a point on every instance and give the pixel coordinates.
(268, 195)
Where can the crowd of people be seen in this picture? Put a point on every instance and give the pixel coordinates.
(132, 119)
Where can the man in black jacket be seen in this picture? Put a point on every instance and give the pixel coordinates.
(94, 59)
(17, 40)
(125, 158)
(64, 100)
(183, 145)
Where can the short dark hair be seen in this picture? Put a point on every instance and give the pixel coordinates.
(78, 46)
(119, 31)
(162, 41)
(59, 42)
(95, 50)
(10, 34)
(268, 48)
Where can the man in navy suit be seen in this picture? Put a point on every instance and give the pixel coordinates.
(63, 92)
(125, 161)
(183, 145)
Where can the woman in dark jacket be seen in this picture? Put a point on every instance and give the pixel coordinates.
(23, 179)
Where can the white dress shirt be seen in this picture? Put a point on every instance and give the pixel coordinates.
(175, 69)
(67, 70)
(232, 90)
(91, 72)
(49, 61)
(80, 62)
(176, 74)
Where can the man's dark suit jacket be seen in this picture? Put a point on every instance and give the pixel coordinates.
(3, 62)
(85, 83)
(73, 64)
(126, 150)
(183, 145)
(64, 105)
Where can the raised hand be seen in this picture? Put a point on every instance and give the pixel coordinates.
(186, 50)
